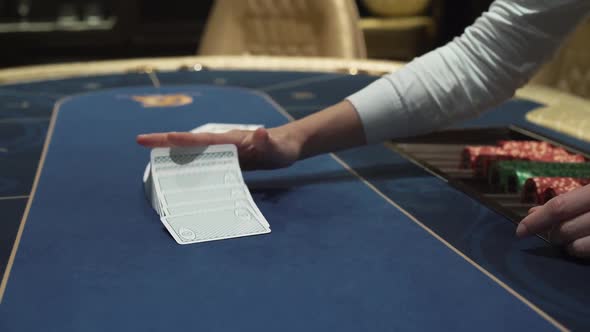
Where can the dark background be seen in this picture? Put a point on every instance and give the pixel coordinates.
(50, 31)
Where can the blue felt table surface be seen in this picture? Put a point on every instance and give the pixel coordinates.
(94, 256)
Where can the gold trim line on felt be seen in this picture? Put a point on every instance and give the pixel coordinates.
(21, 227)
(8, 198)
(154, 78)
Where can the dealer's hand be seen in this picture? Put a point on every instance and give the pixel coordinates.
(566, 217)
(259, 149)
(334, 128)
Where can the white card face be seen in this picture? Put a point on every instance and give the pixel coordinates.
(214, 225)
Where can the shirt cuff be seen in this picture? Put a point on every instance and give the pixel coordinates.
(381, 111)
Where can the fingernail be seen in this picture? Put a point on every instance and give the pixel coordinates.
(522, 230)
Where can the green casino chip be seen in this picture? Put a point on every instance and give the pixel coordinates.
(510, 175)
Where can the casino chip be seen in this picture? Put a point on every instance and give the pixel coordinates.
(510, 176)
(541, 189)
(480, 158)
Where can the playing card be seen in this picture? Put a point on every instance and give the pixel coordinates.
(210, 225)
(187, 169)
(220, 193)
(220, 128)
(209, 127)
(182, 202)
(200, 194)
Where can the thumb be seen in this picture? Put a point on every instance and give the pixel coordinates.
(261, 139)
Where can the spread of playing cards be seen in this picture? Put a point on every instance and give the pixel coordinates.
(199, 192)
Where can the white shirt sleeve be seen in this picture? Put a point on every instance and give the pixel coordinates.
(495, 56)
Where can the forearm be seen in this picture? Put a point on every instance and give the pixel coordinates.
(337, 127)
(482, 68)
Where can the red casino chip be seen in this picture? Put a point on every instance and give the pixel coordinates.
(534, 189)
(559, 158)
(535, 147)
(472, 153)
(485, 162)
(539, 151)
(551, 157)
(564, 187)
(480, 158)
(541, 189)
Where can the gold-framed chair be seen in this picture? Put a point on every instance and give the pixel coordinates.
(398, 29)
(324, 28)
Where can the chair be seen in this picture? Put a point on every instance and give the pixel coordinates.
(569, 70)
(398, 29)
(322, 28)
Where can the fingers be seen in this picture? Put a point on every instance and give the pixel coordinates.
(261, 139)
(174, 139)
(558, 209)
(580, 247)
(533, 209)
(200, 139)
(153, 140)
(571, 230)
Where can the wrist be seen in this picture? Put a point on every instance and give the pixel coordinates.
(290, 137)
(300, 134)
(335, 128)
